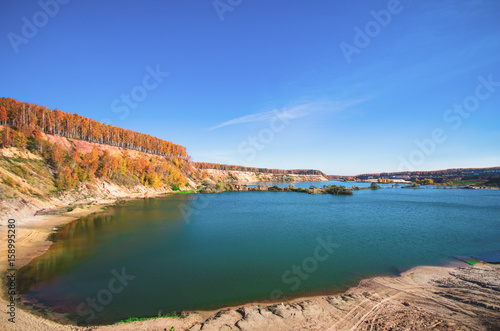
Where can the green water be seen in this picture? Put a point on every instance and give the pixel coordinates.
(198, 251)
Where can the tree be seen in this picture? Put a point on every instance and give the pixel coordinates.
(5, 137)
(3, 115)
(66, 179)
(56, 155)
(91, 162)
(37, 136)
(19, 140)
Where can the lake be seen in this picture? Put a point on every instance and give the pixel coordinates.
(198, 251)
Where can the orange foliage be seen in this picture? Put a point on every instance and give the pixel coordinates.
(26, 117)
(217, 166)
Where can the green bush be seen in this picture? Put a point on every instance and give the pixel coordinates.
(9, 181)
(126, 180)
(31, 145)
(20, 171)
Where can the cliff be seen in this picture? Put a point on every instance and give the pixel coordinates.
(235, 176)
(30, 182)
(27, 188)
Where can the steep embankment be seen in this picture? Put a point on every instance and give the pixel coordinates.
(27, 188)
(251, 177)
(28, 181)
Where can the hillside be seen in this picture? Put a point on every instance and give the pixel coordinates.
(462, 177)
(31, 120)
(444, 173)
(217, 166)
(50, 159)
(237, 176)
(32, 184)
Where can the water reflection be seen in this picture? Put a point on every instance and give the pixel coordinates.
(237, 247)
(75, 243)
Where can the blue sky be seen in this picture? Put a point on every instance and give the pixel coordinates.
(276, 84)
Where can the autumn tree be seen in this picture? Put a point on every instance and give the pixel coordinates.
(5, 137)
(56, 155)
(67, 179)
(19, 139)
(91, 162)
(25, 117)
(3, 115)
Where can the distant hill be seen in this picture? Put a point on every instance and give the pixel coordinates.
(217, 166)
(446, 173)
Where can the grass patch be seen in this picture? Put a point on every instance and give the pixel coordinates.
(126, 180)
(139, 319)
(20, 171)
(9, 181)
(8, 160)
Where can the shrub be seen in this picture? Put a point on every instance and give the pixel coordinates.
(338, 190)
(153, 180)
(66, 179)
(9, 181)
(20, 171)
(31, 145)
(126, 180)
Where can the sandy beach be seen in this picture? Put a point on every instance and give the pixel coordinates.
(443, 298)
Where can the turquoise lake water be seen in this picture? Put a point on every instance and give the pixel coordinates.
(197, 251)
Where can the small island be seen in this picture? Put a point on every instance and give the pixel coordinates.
(326, 189)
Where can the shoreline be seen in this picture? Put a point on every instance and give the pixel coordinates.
(35, 241)
(32, 242)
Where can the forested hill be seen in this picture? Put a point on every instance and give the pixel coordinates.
(50, 158)
(31, 120)
(444, 174)
(217, 166)
(76, 149)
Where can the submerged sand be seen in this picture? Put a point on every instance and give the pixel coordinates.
(442, 298)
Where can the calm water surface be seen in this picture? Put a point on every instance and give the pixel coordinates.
(199, 251)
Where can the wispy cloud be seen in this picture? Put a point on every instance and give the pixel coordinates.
(291, 112)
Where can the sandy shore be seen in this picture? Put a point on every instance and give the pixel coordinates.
(443, 298)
